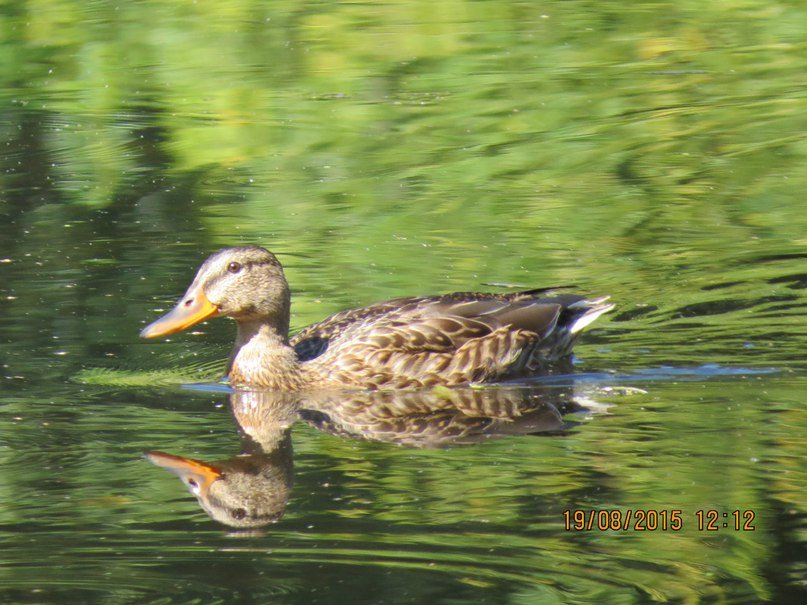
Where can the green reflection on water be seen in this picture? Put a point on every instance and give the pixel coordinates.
(489, 517)
(653, 152)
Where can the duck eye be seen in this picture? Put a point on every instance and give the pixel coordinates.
(239, 513)
(234, 267)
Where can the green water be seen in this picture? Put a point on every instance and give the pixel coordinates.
(654, 152)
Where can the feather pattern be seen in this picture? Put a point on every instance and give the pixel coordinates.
(453, 339)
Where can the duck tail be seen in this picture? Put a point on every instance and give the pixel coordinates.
(591, 309)
(577, 313)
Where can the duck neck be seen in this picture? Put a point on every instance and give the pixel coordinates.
(262, 357)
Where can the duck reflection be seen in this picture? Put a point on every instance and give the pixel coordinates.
(251, 489)
(440, 417)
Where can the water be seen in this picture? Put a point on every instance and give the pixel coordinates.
(653, 153)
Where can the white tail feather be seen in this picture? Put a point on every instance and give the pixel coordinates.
(596, 308)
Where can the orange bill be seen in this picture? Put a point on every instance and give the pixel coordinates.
(193, 308)
(197, 475)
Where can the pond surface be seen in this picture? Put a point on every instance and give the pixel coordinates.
(653, 152)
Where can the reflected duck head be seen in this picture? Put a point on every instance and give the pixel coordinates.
(243, 492)
(246, 283)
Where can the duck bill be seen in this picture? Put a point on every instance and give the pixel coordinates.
(192, 309)
(197, 475)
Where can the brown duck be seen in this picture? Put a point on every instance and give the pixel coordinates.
(452, 339)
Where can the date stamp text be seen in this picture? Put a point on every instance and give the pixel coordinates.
(651, 519)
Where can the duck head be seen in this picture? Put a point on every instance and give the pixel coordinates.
(246, 283)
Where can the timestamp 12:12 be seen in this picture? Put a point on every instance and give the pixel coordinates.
(713, 520)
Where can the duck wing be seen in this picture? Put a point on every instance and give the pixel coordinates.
(313, 340)
(451, 339)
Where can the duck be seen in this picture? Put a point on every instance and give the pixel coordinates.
(448, 340)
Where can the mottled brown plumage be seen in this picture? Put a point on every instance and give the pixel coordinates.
(452, 339)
